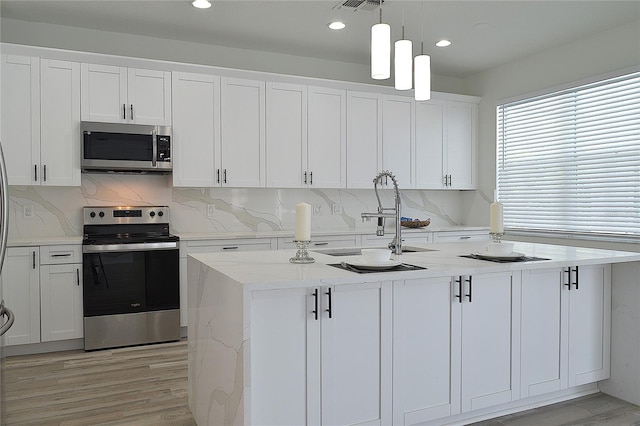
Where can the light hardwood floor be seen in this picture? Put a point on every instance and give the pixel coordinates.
(147, 385)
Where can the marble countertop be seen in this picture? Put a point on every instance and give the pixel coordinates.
(272, 269)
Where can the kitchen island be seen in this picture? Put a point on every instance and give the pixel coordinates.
(272, 342)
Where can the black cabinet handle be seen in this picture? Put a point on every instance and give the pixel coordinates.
(449, 180)
(470, 281)
(315, 303)
(124, 111)
(576, 283)
(224, 176)
(33, 263)
(568, 272)
(311, 178)
(61, 255)
(330, 310)
(35, 172)
(459, 295)
(78, 276)
(230, 248)
(132, 111)
(217, 175)
(44, 173)
(321, 244)
(445, 180)
(305, 178)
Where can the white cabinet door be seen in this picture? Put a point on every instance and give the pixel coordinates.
(60, 123)
(543, 331)
(285, 357)
(589, 323)
(286, 135)
(486, 340)
(429, 145)
(364, 133)
(125, 95)
(21, 118)
(243, 133)
(356, 354)
(425, 380)
(61, 302)
(460, 153)
(149, 96)
(104, 93)
(398, 150)
(196, 130)
(327, 136)
(21, 291)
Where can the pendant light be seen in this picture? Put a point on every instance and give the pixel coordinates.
(403, 61)
(380, 50)
(422, 71)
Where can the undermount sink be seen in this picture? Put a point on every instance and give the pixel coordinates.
(355, 251)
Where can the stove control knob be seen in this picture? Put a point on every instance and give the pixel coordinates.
(92, 214)
(101, 214)
(160, 213)
(152, 214)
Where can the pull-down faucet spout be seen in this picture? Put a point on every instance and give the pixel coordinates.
(396, 244)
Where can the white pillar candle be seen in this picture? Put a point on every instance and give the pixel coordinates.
(303, 222)
(495, 211)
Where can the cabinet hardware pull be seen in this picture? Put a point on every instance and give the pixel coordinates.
(444, 178)
(217, 175)
(35, 172)
(78, 276)
(224, 176)
(315, 302)
(61, 255)
(330, 310)
(305, 178)
(576, 283)
(124, 111)
(44, 173)
(33, 263)
(230, 248)
(321, 244)
(470, 289)
(459, 295)
(568, 272)
(132, 111)
(449, 180)
(465, 238)
(311, 178)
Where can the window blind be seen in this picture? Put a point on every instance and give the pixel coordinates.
(569, 161)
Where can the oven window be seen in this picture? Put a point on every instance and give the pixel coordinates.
(130, 281)
(118, 146)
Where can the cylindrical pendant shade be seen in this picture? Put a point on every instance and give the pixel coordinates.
(422, 72)
(380, 51)
(403, 64)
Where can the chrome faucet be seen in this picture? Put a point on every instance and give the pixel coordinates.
(396, 243)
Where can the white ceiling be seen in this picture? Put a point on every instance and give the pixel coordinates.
(509, 30)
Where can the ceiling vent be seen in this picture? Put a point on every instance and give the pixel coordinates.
(356, 5)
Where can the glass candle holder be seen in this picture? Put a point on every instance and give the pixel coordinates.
(302, 255)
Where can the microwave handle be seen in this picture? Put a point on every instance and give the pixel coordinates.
(154, 143)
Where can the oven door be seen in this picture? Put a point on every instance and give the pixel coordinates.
(130, 278)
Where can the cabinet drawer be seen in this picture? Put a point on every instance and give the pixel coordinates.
(372, 240)
(216, 246)
(327, 241)
(460, 236)
(60, 254)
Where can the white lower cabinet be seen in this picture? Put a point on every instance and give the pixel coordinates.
(321, 355)
(468, 320)
(565, 327)
(61, 302)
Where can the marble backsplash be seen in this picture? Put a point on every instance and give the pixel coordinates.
(57, 211)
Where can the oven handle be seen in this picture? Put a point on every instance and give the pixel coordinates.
(101, 248)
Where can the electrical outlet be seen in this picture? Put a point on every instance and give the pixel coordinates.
(28, 210)
(317, 209)
(211, 210)
(336, 209)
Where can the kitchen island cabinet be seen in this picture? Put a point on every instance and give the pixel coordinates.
(242, 303)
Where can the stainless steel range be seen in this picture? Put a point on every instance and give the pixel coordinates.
(131, 291)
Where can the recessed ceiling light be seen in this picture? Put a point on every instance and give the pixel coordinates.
(336, 25)
(443, 43)
(201, 4)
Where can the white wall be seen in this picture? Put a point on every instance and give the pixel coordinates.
(602, 53)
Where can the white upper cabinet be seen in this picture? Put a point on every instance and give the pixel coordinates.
(125, 95)
(364, 131)
(327, 137)
(446, 145)
(41, 121)
(398, 115)
(243, 134)
(196, 130)
(286, 135)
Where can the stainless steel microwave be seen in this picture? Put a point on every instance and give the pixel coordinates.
(125, 147)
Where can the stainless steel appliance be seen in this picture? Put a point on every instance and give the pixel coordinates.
(4, 311)
(125, 147)
(130, 280)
